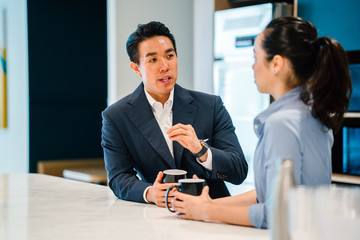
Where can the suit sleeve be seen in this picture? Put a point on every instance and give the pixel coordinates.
(229, 163)
(119, 164)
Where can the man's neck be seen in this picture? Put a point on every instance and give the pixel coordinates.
(162, 99)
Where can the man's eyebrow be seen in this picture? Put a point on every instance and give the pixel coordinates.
(150, 54)
(170, 50)
(154, 53)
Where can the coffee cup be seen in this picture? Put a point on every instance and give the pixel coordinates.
(190, 186)
(173, 175)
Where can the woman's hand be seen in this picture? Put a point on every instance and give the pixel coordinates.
(203, 208)
(193, 207)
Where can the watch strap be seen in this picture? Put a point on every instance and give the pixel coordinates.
(202, 151)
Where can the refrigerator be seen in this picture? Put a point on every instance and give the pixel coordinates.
(235, 31)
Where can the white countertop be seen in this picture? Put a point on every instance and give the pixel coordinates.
(37, 206)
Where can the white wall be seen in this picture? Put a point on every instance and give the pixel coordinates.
(203, 45)
(14, 140)
(123, 18)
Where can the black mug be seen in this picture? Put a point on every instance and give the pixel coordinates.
(173, 175)
(190, 186)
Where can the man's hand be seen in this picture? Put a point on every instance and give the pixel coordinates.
(156, 193)
(186, 136)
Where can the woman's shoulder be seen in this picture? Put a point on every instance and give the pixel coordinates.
(296, 118)
(293, 116)
(291, 112)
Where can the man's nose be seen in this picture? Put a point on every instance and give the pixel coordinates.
(164, 65)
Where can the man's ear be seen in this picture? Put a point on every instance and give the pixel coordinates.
(135, 67)
(277, 63)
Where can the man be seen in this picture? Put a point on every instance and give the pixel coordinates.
(162, 126)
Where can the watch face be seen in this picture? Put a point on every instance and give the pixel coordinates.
(203, 142)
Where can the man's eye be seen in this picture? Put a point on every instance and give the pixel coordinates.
(152, 60)
(170, 55)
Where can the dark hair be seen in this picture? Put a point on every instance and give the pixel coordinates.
(320, 65)
(143, 32)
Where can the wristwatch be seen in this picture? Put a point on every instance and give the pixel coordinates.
(203, 150)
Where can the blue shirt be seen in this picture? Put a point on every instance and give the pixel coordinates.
(286, 129)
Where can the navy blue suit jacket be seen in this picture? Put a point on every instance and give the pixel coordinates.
(134, 144)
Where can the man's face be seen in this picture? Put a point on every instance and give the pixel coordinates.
(157, 66)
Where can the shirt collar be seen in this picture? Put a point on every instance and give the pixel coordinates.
(153, 102)
(287, 98)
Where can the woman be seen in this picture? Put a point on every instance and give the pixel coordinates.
(309, 79)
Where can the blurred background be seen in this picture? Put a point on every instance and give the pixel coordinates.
(66, 62)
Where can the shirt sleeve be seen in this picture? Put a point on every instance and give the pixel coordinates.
(279, 141)
(144, 194)
(208, 163)
(257, 216)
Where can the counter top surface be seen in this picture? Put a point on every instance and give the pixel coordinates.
(37, 206)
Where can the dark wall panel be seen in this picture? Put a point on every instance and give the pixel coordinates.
(334, 18)
(65, 131)
(67, 78)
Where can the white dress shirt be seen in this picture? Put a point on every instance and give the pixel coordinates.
(164, 117)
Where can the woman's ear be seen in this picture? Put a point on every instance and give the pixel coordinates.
(135, 67)
(277, 63)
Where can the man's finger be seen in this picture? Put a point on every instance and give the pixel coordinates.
(159, 177)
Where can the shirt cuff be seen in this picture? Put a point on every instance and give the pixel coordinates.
(144, 194)
(208, 163)
(257, 215)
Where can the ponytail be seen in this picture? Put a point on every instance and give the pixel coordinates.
(319, 64)
(330, 84)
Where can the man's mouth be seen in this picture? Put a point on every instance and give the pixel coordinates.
(165, 79)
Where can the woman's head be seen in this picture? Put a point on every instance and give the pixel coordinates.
(294, 39)
(319, 64)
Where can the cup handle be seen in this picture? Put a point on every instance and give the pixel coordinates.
(166, 198)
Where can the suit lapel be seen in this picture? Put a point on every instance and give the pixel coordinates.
(183, 112)
(143, 118)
